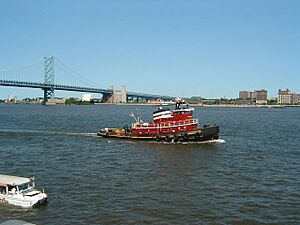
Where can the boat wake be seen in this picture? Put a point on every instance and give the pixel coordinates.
(47, 132)
(83, 134)
(217, 141)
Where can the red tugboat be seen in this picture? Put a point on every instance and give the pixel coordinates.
(177, 125)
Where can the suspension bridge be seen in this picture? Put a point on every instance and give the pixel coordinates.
(50, 74)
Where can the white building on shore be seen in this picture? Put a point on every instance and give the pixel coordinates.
(288, 97)
(86, 97)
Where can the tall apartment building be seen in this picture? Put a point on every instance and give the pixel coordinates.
(260, 96)
(284, 96)
(245, 95)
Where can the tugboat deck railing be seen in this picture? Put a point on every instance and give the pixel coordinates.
(165, 124)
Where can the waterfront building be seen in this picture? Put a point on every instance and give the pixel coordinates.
(253, 95)
(117, 96)
(245, 95)
(260, 96)
(295, 98)
(284, 96)
(154, 101)
(123, 94)
(56, 101)
(86, 97)
(120, 96)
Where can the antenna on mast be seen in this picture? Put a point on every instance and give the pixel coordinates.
(132, 115)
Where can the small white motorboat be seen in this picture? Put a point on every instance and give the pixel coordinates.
(20, 191)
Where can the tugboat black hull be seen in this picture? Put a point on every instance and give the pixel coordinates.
(205, 133)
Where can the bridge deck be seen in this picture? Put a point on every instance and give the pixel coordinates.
(44, 86)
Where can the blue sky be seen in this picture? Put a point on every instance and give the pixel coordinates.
(183, 48)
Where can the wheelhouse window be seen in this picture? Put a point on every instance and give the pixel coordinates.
(25, 186)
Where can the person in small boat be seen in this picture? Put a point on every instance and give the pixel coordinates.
(126, 128)
(2, 190)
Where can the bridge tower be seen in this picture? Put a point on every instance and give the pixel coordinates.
(49, 78)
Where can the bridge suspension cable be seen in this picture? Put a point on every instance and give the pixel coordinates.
(30, 72)
(76, 78)
(34, 71)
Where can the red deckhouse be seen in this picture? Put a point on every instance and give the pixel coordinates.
(166, 121)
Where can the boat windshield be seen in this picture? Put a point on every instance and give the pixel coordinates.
(25, 186)
(28, 190)
(161, 109)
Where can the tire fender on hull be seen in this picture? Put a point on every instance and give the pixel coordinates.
(175, 138)
(157, 138)
(197, 135)
(186, 137)
(168, 138)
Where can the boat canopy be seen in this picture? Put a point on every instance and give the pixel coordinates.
(6, 180)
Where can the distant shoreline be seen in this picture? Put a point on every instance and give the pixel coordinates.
(147, 104)
(214, 106)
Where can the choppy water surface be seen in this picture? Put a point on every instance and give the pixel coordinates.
(253, 178)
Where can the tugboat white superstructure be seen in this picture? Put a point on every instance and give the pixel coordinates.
(20, 191)
(177, 125)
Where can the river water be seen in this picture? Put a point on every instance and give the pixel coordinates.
(252, 178)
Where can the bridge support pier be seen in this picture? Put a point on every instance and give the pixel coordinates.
(129, 99)
(48, 93)
(107, 98)
(49, 78)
